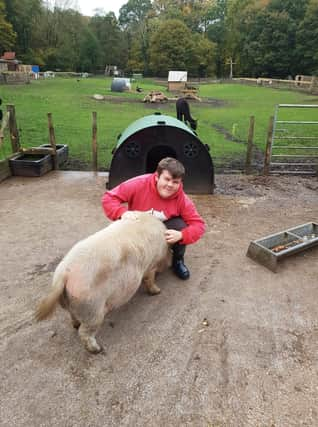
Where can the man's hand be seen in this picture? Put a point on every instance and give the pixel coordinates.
(173, 236)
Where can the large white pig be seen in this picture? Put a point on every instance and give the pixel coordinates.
(103, 271)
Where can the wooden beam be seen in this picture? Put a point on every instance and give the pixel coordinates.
(94, 142)
(13, 128)
(268, 150)
(5, 122)
(37, 150)
(52, 141)
(249, 150)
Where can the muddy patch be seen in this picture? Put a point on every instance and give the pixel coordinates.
(75, 164)
(235, 345)
(117, 99)
(228, 135)
(213, 102)
(210, 102)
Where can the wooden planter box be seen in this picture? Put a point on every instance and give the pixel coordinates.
(30, 164)
(61, 152)
(5, 171)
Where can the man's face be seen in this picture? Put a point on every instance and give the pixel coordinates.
(167, 185)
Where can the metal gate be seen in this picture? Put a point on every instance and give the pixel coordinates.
(294, 143)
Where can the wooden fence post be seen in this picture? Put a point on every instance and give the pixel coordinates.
(250, 139)
(268, 150)
(13, 128)
(4, 124)
(52, 141)
(94, 142)
(313, 85)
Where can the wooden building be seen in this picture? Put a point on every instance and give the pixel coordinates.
(9, 62)
(177, 81)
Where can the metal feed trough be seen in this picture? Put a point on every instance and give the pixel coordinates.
(146, 141)
(269, 250)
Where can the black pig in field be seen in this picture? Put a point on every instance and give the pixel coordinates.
(183, 113)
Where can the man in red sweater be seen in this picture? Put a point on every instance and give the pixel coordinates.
(161, 193)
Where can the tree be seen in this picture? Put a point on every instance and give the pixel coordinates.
(71, 29)
(171, 48)
(268, 44)
(60, 34)
(89, 52)
(199, 14)
(196, 14)
(135, 62)
(233, 22)
(134, 18)
(295, 9)
(24, 17)
(166, 9)
(7, 35)
(260, 36)
(113, 46)
(217, 31)
(134, 12)
(205, 55)
(306, 41)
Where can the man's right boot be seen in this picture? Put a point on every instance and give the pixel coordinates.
(178, 266)
(180, 269)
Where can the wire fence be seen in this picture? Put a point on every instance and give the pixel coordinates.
(79, 140)
(91, 141)
(89, 147)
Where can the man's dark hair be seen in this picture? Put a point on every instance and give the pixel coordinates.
(173, 166)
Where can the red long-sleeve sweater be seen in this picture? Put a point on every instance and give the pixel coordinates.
(141, 194)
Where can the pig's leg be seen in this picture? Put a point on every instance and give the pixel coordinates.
(149, 282)
(76, 323)
(89, 326)
(87, 334)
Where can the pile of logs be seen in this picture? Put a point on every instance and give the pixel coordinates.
(155, 96)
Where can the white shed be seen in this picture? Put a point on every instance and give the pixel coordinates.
(177, 80)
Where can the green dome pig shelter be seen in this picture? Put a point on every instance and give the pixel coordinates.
(147, 140)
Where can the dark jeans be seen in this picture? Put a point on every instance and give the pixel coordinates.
(176, 223)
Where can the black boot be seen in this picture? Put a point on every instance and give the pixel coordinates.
(178, 266)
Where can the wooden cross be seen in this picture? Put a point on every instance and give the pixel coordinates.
(230, 61)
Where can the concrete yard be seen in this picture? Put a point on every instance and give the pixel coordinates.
(236, 345)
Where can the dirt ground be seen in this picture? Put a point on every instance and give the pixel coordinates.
(236, 345)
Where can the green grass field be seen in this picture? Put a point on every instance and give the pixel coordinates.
(223, 114)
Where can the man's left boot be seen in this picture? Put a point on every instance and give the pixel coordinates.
(178, 266)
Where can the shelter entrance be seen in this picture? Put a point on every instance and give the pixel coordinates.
(148, 140)
(156, 154)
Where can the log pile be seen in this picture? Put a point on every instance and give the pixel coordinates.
(155, 96)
